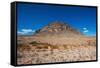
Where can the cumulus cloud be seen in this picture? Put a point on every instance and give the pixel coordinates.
(85, 30)
(25, 31)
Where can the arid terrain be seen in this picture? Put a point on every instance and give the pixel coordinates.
(58, 43)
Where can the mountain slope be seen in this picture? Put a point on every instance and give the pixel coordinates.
(58, 28)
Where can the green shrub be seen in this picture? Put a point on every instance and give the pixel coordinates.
(34, 43)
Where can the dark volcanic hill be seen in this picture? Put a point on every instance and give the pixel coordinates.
(58, 28)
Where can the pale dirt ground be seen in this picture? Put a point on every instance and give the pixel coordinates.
(56, 49)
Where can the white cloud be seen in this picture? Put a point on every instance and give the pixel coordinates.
(25, 31)
(19, 32)
(86, 31)
(84, 28)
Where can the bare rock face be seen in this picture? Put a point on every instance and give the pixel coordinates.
(55, 27)
(58, 28)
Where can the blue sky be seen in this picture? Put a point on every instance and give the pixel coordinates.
(31, 17)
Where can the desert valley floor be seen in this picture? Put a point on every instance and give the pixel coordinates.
(37, 50)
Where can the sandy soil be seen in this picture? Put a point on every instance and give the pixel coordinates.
(36, 50)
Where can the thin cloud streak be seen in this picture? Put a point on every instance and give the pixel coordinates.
(25, 31)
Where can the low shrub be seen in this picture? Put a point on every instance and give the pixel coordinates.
(23, 47)
(34, 43)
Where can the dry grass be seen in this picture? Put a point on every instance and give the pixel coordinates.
(51, 49)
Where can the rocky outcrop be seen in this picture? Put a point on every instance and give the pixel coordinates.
(58, 28)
